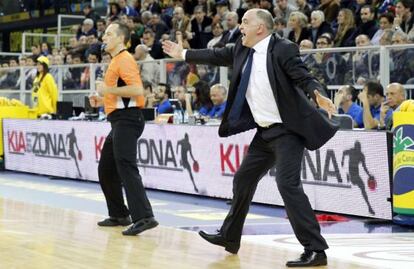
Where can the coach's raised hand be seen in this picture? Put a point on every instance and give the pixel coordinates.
(174, 50)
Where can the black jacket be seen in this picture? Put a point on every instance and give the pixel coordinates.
(290, 82)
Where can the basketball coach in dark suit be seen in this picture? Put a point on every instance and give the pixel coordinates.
(268, 91)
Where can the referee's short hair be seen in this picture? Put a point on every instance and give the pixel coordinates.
(123, 30)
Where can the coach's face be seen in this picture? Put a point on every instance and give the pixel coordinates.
(112, 39)
(249, 28)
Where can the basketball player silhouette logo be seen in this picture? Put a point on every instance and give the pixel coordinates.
(185, 149)
(355, 158)
(71, 139)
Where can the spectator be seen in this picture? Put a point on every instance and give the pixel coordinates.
(268, 5)
(218, 96)
(368, 24)
(137, 29)
(36, 50)
(158, 26)
(233, 32)
(222, 10)
(46, 49)
(346, 27)
(44, 91)
(127, 10)
(150, 70)
(402, 65)
(283, 9)
(371, 98)
(280, 27)
(217, 30)
(202, 102)
(179, 94)
(330, 8)
(403, 15)
(153, 6)
(86, 29)
(100, 28)
(201, 28)
(385, 22)
(181, 23)
(395, 96)
(365, 63)
(114, 12)
(345, 102)
(319, 26)
(304, 7)
(162, 96)
(298, 22)
(306, 44)
(148, 39)
(386, 37)
(146, 18)
(90, 13)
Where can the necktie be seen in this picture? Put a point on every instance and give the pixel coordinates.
(238, 102)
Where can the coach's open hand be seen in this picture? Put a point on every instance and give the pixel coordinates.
(325, 103)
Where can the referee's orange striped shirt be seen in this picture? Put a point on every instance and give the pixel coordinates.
(122, 71)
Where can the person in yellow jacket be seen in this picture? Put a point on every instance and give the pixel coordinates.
(44, 91)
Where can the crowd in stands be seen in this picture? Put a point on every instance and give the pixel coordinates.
(215, 23)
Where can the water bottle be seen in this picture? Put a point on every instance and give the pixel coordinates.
(185, 117)
(177, 117)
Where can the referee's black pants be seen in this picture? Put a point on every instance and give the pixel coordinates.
(118, 166)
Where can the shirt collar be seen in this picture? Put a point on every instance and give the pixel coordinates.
(261, 47)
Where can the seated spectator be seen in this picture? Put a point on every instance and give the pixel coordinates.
(345, 102)
(86, 29)
(161, 97)
(233, 32)
(298, 22)
(114, 12)
(368, 24)
(319, 26)
(268, 5)
(201, 28)
(148, 93)
(46, 49)
(218, 95)
(371, 97)
(12, 76)
(181, 23)
(328, 67)
(402, 65)
(385, 22)
(346, 28)
(386, 37)
(395, 96)
(365, 64)
(36, 50)
(304, 7)
(202, 102)
(283, 9)
(149, 71)
(90, 13)
(280, 27)
(179, 94)
(126, 9)
(217, 30)
(222, 7)
(330, 8)
(158, 26)
(154, 46)
(404, 18)
(100, 28)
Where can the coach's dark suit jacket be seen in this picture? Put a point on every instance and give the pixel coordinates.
(290, 81)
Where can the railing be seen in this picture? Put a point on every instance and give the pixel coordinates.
(334, 67)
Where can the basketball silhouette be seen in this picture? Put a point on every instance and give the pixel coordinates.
(80, 155)
(196, 167)
(372, 183)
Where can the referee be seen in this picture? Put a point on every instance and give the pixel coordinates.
(121, 94)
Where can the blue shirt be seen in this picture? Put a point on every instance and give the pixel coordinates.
(217, 111)
(376, 113)
(355, 111)
(164, 107)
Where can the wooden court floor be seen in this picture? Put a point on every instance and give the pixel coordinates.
(36, 236)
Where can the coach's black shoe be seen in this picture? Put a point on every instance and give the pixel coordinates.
(309, 258)
(110, 222)
(140, 226)
(218, 239)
